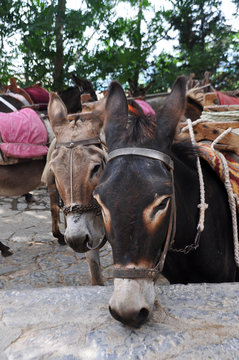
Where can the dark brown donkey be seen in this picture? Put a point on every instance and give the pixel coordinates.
(149, 192)
(74, 165)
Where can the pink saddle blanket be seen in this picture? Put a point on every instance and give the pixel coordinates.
(23, 134)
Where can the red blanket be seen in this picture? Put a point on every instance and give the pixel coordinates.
(227, 100)
(38, 95)
(23, 134)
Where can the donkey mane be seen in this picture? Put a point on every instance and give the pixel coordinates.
(185, 152)
(143, 129)
(140, 128)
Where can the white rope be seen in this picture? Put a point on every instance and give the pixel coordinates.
(202, 206)
(186, 127)
(215, 117)
(227, 131)
(232, 198)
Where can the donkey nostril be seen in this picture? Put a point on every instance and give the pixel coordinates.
(143, 314)
(114, 314)
(135, 319)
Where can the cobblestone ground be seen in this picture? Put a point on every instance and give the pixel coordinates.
(38, 260)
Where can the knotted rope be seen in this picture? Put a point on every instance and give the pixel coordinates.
(232, 198)
(203, 205)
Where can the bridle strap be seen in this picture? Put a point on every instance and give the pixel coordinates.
(135, 273)
(71, 144)
(150, 153)
(140, 273)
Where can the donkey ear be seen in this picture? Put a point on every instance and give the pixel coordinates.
(174, 108)
(116, 110)
(57, 111)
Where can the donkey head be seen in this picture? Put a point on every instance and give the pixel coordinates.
(77, 163)
(136, 195)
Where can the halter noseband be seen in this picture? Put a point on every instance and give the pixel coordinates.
(137, 273)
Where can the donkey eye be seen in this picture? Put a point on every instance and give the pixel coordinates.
(159, 207)
(95, 170)
(155, 213)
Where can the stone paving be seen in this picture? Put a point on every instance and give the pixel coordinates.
(193, 322)
(49, 311)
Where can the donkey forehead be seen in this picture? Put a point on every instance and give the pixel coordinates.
(81, 154)
(130, 185)
(78, 130)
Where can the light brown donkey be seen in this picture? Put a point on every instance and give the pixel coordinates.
(74, 165)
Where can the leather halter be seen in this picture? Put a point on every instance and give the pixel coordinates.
(141, 273)
(74, 207)
(150, 153)
(93, 204)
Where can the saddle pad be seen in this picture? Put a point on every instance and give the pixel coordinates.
(23, 134)
(227, 100)
(147, 109)
(207, 153)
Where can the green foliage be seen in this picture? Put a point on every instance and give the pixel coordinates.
(100, 44)
(204, 38)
